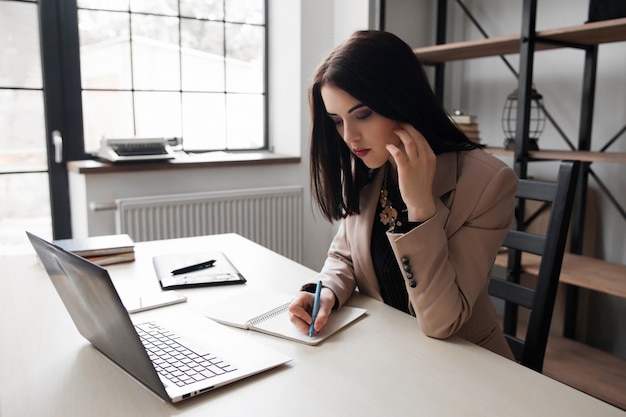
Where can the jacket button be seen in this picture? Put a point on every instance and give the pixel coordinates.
(407, 269)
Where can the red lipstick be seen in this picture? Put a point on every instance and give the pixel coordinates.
(360, 153)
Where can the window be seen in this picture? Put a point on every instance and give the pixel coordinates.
(23, 160)
(194, 69)
(175, 68)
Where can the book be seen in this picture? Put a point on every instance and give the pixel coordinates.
(221, 271)
(469, 127)
(115, 258)
(461, 118)
(95, 246)
(266, 312)
(470, 130)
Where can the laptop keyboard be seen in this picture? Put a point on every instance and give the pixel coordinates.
(178, 360)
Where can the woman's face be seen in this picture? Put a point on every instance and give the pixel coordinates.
(364, 131)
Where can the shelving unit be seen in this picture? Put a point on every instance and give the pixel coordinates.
(578, 271)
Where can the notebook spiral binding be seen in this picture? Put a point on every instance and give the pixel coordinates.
(268, 315)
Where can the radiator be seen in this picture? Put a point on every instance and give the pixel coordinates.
(271, 216)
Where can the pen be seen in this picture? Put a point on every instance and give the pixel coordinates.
(316, 307)
(196, 267)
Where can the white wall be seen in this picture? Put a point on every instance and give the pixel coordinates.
(308, 31)
(323, 24)
(480, 87)
(413, 21)
(349, 15)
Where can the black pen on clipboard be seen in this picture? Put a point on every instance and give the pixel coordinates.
(192, 268)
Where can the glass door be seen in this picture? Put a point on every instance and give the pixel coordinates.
(24, 183)
(37, 134)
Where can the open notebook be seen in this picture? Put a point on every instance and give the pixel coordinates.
(266, 312)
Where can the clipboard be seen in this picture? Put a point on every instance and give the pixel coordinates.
(223, 272)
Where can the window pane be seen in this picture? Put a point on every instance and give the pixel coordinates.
(245, 52)
(245, 11)
(194, 55)
(202, 9)
(29, 210)
(106, 114)
(202, 55)
(158, 114)
(155, 48)
(245, 121)
(165, 7)
(104, 49)
(121, 5)
(22, 142)
(204, 121)
(20, 63)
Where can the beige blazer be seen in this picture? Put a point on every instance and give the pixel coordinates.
(450, 255)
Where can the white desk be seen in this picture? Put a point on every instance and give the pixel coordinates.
(380, 366)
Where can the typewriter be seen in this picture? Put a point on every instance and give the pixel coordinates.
(136, 149)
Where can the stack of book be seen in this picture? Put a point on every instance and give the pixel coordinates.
(102, 250)
(467, 124)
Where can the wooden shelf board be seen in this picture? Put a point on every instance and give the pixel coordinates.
(590, 370)
(454, 51)
(594, 33)
(586, 156)
(581, 271)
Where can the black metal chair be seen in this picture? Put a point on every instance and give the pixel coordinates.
(540, 297)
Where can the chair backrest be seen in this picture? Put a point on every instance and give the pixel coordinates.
(540, 298)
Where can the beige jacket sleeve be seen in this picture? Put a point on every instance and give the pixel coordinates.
(451, 255)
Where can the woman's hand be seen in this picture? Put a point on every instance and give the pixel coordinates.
(301, 308)
(416, 165)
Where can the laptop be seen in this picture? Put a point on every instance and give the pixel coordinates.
(211, 354)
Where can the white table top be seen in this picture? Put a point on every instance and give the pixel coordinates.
(381, 365)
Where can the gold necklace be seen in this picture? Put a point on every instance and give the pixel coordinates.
(388, 214)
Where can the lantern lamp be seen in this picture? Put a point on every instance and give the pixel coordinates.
(509, 120)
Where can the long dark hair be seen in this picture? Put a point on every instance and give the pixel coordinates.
(380, 70)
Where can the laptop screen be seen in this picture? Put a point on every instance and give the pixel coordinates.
(97, 311)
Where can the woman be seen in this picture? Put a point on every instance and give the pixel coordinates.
(423, 209)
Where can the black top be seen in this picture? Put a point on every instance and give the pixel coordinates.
(390, 279)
